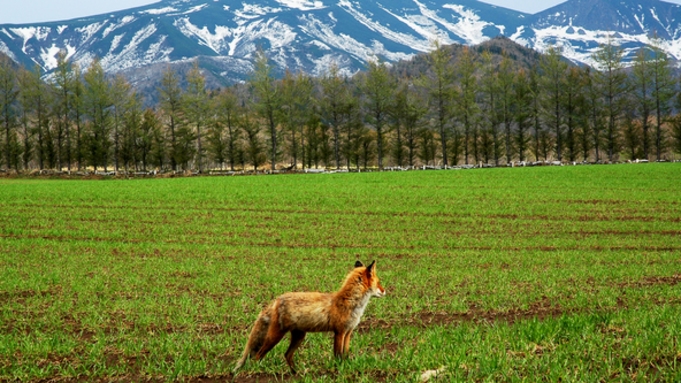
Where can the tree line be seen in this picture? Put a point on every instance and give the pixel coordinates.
(464, 110)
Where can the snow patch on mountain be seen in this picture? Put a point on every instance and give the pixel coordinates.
(517, 36)
(49, 56)
(388, 33)
(159, 11)
(28, 33)
(195, 9)
(303, 5)
(116, 42)
(324, 32)
(581, 46)
(319, 45)
(277, 33)
(250, 12)
(131, 55)
(215, 41)
(124, 21)
(469, 26)
(5, 49)
(324, 63)
(424, 27)
(86, 32)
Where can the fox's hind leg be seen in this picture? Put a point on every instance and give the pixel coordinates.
(297, 338)
(274, 336)
(255, 339)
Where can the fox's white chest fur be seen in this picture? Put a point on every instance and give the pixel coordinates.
(358, 311)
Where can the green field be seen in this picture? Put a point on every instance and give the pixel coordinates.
(525, 274)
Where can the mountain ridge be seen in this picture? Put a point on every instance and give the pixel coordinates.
(309, 35)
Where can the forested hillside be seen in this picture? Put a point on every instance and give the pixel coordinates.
(495, 103)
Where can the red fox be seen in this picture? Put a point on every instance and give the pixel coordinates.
(300, 313)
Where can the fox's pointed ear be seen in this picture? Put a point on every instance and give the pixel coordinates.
(371, 268)
(359, 264)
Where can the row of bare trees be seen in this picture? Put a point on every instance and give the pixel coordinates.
(469, 109)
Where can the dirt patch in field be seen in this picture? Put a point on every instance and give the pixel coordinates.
(653, 281)
(268, 211)
(656, 363)
(541, 310)
(20, 296)
(243, 378)
(596, 202)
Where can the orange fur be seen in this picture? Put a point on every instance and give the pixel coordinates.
(303, 312)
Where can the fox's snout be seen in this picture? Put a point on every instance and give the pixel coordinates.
(379, 292)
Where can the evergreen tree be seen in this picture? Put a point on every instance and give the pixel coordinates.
(195, 104)
(663, 90)
(134, 143)
(466, 109)
(377, 87)
(368, 140)
(594, 113)
(31, 104)
(398, 149)
(120, 101)
(254, 149)
(353, 132)
(159, 151)
(336, 107)
(296, 107)
(144, 144)
(490, 105)
(676, 132)
(611, 82)
(427, 146)
(439, 85)
(522, 112)
(573, 110)
(8, 114)
(535, 112)
(506, 79)
(170, 100)
(77, 112)
(62, 88)
(641, 82)
(413, 120)
(553, 83)
(267, 102)
(631, 132)
(583, 134)
(97, 101)
(227, 116)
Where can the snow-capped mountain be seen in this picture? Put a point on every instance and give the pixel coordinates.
(580, 26)
(309, 35)
(296, 34)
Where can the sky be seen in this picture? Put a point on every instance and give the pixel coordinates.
(34, 11)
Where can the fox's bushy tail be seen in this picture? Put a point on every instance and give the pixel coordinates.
(257, 337)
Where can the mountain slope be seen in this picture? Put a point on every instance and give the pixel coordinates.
(580, 26)
(298, 34)
(309, 35)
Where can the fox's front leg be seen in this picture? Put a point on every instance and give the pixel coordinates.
(346, 343)
(338, 343)
(341, 344)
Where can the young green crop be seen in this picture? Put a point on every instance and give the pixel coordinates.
(549, 274)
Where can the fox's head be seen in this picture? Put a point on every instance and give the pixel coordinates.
(368, 277)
